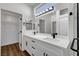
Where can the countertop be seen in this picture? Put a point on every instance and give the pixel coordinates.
(60, 41)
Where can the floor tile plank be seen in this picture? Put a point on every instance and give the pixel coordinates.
(13, 50)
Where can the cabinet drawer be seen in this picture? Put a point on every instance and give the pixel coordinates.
(37, 50)
(49, 53)
(35, 41)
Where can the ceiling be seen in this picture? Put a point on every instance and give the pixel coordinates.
(33, 4)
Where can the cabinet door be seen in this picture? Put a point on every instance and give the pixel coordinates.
(23, 43)
(27, 44)
(52, 49)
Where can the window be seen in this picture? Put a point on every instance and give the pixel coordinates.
(43, 8)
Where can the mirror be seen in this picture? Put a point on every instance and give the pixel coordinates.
(54, 27)
(42, 26)
(56, 22)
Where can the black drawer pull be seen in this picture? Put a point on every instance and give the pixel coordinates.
(33, 41)
(32, 54)
(26, 43)
(33, 47)
(44, 54)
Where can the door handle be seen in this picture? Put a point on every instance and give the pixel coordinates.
(73, 45)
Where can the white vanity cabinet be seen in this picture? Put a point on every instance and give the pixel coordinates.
(37, 47)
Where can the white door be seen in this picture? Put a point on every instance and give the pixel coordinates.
(9, 28)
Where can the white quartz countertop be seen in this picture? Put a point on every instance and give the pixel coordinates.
(58, 41)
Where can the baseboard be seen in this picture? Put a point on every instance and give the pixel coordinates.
(10, 44)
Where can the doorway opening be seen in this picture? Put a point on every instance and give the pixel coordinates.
(11, 28)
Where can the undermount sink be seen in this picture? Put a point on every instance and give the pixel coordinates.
(51, 39)
(47, 38)
(39, 36)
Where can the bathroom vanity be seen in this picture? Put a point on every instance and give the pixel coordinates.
(44, 45)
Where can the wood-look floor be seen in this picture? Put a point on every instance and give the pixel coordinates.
(12, 50)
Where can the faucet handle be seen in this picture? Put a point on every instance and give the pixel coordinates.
(34, 32)
(53, 34)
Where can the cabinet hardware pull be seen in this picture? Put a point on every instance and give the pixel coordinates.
(33, 41)
(44, 54)
(33, 47)
(26, 43)
(32, 54)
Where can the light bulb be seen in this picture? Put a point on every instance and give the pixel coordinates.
(50, 8)
(40, 12)
(46, 10)
(43, 11)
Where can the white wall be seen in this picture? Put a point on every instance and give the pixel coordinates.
(0, 32)
(17, 7)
